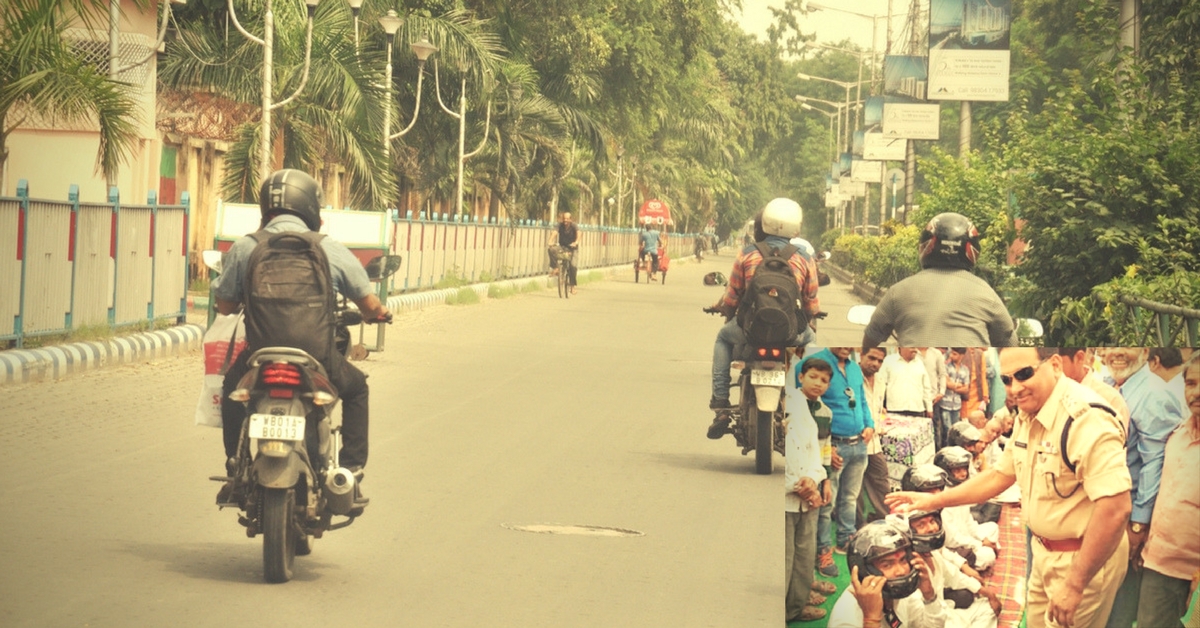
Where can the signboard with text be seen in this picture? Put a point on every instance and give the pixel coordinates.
(969, 49)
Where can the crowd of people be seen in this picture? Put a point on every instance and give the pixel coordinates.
(1079, 441)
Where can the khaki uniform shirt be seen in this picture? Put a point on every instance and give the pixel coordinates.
(1057, 503)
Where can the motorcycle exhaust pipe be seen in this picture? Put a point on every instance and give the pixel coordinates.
(339, 491)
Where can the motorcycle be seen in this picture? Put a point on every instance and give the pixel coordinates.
(286, 479)
(758, 419)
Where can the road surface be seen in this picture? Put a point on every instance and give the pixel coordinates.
(516, 412)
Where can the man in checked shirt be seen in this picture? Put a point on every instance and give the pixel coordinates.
(777, 223)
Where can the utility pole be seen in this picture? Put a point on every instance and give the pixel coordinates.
(910, 153)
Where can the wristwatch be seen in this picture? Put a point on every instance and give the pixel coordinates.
(1137, 528)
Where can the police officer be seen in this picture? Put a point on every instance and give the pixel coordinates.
(1067, 455)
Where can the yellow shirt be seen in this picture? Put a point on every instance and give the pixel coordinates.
(1057, 503)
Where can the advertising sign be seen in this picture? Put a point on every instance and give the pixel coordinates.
(876, 146)
(969, 49)
(866, 171)
(911, 121)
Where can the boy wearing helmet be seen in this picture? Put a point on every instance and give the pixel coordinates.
(290, 201)
(970, 605)
(977, 542)
(777, 223)
(945, 304)
(890, 585)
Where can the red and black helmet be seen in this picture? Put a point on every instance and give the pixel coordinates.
(949, 240)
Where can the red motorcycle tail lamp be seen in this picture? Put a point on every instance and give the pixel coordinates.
(773, 353)
(281, 374)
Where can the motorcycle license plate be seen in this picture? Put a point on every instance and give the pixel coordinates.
(277, 427)
(767, 378)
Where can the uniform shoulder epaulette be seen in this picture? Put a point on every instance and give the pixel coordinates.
(1077, 408)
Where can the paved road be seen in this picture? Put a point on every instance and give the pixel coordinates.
(528, 410)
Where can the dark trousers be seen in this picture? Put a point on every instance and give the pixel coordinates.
(352, 388)
(1164, 600)
(875, 486)
(1125, 606)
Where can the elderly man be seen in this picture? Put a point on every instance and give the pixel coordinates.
(1079, 495)
(1154, 412)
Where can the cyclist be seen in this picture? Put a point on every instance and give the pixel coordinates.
(566, 236)
(945, 304)
(778, 222)
(649, 246)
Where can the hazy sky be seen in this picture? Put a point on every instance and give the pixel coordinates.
(830, 26)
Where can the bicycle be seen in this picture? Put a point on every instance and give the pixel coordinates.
(563, 256)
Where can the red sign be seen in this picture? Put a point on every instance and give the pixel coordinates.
(655, 212)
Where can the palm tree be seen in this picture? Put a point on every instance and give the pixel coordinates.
(40, 75)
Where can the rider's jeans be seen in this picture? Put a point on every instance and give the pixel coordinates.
(728, 338)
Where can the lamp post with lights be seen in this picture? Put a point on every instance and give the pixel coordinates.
(267, 41)
(422, 49)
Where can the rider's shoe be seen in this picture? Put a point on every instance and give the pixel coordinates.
(720, 424)
(225, 494)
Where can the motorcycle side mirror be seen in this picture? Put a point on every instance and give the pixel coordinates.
(212, 259)
(1029, 328)
(383, 266)
(825, 255)
(860, 314)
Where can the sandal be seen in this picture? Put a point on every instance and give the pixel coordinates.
(810, 613)
(815, 599)
(824, 587)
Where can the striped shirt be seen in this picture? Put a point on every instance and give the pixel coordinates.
(747, 264)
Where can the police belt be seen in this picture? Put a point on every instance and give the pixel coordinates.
(1063, 545)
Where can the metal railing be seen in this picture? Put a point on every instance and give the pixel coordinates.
(66, 265)
(1166, 324)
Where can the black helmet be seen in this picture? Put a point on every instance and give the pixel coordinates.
(963, 434)
(923, 478)
(875, 540)
(951, 458)
(949, 241)
(926, 543)
(291, 191)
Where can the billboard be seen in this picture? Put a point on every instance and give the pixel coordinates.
(969, 49)
(906, 115)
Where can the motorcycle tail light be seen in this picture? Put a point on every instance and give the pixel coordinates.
(281, 374)
(762, 353)
(281, 393)
(775, 353)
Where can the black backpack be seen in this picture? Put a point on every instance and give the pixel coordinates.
(289, 296)
(769, 311)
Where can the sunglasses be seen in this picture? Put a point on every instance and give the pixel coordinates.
(1022, 374)
(850, 393)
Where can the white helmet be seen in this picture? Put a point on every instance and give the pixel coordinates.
(782, 217)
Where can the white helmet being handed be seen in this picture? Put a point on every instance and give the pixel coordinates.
(782, 217)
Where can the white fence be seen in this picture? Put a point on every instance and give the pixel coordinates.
(66, 265)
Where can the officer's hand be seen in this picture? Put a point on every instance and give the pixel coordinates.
(904, 501)
(1064, 600)
(869, 593)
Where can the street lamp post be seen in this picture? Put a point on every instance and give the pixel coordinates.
(846, 86)
(461, 116)
(355, 8)
(268, 43)
(423, 49)
(831, 115)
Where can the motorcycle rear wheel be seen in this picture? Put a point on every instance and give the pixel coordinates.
(279, 534)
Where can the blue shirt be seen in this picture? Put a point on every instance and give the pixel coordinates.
(349, 276)
(1153, 414)
(649, 241)
(847, 421)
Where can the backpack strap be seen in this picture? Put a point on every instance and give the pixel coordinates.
(1067, 432)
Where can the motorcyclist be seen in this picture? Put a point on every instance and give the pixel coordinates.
(777, 223)
(290, 201)
(945, 304)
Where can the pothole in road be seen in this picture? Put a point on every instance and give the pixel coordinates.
(575, 530)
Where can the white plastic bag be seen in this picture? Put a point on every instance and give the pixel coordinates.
(216, 348)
